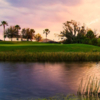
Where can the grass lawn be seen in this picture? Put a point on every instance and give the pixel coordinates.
(45, 47)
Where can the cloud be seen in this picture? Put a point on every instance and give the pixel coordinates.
(41, 14)
(92, 22)
(37, 3)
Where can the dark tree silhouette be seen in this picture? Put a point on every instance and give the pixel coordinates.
(32, 31)
(17, 27)
(11, 32)
(90, 34)
(38, 37)
(4, 23)
(71, 30)
(28, 33)
(23, 33)
(46, 31)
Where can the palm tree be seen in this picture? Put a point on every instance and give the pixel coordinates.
(32, 31)
(46, 31)
(4, 23)
(17, 27)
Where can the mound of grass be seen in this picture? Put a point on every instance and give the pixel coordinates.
(46, 47)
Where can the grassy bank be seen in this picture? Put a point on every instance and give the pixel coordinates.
(34, 52)
(45, 47)
(50, 56)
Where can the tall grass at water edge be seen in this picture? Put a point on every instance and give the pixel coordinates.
(49, 56)
(89, 89)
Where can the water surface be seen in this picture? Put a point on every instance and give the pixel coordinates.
(39, 80)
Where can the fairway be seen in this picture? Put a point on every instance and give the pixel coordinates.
(45, 47)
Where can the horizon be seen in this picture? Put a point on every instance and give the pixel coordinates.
(52, 14)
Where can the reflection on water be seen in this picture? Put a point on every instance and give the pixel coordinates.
(33, 80)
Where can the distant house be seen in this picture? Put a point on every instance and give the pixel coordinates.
(48, 40)
(20, 39)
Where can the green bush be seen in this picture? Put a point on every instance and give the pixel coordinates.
(90, 42)
(67, 41)
(90, 34)
(86, 41)
(98, 40)
(94, 50)
(94, 41)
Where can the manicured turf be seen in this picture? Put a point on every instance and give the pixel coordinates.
(46, 47)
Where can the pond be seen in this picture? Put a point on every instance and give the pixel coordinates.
(39, 80)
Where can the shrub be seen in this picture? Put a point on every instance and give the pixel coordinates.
(86, 41)
(94, 50)
(94, 41)
(98, 40)
(67, 41)
(90, 34)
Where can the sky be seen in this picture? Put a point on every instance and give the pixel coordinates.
(51, 14)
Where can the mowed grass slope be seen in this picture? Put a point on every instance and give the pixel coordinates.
(6, 46)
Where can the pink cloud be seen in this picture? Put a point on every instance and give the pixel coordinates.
(41, 14)
(37, 3)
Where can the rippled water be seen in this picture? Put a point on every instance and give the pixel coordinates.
(38, 80)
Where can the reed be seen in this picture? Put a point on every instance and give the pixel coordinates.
(48, 56)
(89, 89)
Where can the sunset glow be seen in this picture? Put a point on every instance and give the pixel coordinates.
(51, 14)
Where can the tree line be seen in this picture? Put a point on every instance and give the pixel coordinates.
(73, 32)
(26, 33)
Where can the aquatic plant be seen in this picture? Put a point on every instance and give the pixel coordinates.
(61, 97)
(90, 88)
